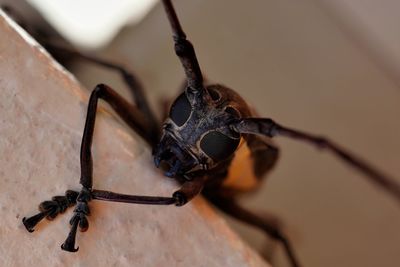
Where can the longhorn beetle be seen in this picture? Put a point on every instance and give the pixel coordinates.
(198, 145)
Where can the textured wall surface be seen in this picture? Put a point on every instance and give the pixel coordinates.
(42, 116)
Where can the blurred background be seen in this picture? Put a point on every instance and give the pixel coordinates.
(328, 67)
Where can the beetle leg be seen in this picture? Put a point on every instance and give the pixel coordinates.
(266, 224)
(51, 208)
(188, 190)
(127, 75)
(78, 219)
(135, 119)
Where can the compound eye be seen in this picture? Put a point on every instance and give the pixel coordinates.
(180, 110)
(218, 146)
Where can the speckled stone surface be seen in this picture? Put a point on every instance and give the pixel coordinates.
(42, 116)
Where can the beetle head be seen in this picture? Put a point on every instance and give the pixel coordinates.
(196, 135)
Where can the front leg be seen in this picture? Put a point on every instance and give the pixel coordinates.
(50, 209)
(78, 219)
(133, 118)
(188, 191)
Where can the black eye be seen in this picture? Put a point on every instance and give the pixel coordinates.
(180, 110)
(218, 146)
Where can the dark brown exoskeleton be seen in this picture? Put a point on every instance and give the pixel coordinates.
(211, 142)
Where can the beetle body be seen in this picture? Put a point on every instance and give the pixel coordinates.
(197, 140)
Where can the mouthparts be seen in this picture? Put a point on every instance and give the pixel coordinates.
(172, 158)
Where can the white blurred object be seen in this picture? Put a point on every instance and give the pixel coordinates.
(92, 23)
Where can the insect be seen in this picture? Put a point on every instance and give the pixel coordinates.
(207, 130)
